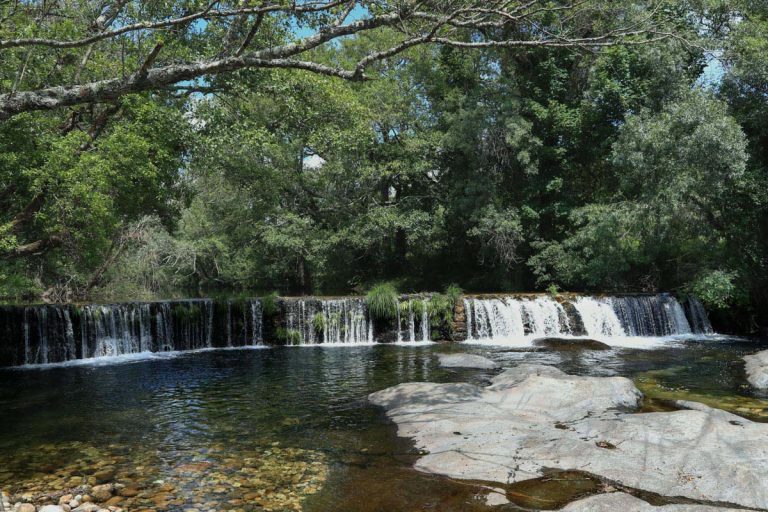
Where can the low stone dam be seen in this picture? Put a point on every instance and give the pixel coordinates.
(50, 333)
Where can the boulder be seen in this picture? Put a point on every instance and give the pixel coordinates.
(24, 507)
(535, 418)
(626, 502)
(570, 344)
(462, 360)
(757, 369)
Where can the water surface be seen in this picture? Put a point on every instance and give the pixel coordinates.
(290, 428)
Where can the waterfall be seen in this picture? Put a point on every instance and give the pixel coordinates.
(697, 316)
(507, 318)
(417, 322)
(598, 316)
(257, 331)
(652, 315)
(310, 321)
(57, 333)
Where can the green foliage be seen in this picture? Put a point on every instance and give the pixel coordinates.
(318, 323)
(553, 290)
(454, 293)
(716, 289)
(623, 169)
(269, 305)
(419, 307)
(382, 301)
(441, 307)
(287, 336)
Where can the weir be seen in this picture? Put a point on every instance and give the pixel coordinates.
(45, 334)
(647, 315)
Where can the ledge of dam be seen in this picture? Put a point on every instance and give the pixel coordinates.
(54, 333)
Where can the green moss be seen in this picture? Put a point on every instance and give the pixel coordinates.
(382, 301)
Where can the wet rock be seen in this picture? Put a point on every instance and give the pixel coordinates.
(104, 475)
(466, 361)
(534, 417)
(51, 508)
(757, 369)
(627, 502)
(570, 344)
(87, 507)
(114, 500)
(101, 493)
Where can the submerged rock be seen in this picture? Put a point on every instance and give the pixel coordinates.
(623, 501)
(466, 361)
(535, 418)
(757, 369)
(570, 344)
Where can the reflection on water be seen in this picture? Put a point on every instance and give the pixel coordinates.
(287, 428)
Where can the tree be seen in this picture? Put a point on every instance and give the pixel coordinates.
(671, 222)
(151, 47)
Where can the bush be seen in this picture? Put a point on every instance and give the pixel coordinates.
(382, 302)
(269, 304)
(716, 289)
(318, 323)
(288, 336)
(454, 292)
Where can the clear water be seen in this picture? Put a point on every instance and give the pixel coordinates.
(209, 429)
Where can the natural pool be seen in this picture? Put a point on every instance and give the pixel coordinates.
(290, 428)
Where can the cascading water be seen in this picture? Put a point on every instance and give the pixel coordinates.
(310, 321)
(416, 320)
(697, 316)
(652, 315)
(508, 318)
(598, 316)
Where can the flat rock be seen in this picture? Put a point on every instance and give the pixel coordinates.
(570, 344)
(51, 508)
(628, 503)
(757, 369)
(535, 418)
(466, 361)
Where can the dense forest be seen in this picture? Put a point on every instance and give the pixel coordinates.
(543, 145)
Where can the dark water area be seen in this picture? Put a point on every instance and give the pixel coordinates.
(211, 430)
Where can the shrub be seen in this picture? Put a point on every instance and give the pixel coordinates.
(382, 302)
(318, 323)
(716, 289)
(269, 304)
(288, 336)
(440, 310)
(454, 292)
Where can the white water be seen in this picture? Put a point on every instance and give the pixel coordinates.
(344, 321)
(631, 321)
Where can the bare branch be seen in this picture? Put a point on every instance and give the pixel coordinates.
(464, 27)
(147, 25)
